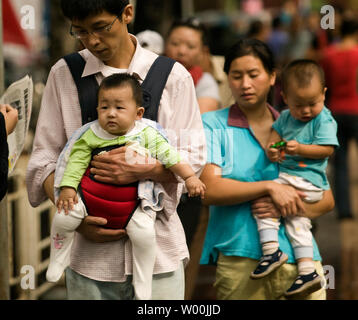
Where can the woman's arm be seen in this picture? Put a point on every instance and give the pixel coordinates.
(265, 208)
(223, 191)
(315, 210)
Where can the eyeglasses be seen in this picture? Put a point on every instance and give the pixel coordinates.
(97, 32)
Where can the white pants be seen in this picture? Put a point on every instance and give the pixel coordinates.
(298, 228)
(140, 230)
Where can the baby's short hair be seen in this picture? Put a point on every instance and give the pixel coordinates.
(118, 80)
(303, 70)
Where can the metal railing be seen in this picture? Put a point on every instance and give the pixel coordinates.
(28, 232)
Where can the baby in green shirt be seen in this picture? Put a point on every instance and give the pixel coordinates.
(119, 122)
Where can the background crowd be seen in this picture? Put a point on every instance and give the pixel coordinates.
(198, 36)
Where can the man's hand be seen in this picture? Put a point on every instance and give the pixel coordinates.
(92, 229)
(121, 167)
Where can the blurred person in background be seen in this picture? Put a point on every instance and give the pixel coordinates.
(277, 40)
(299, 40)
(151, 40)
(259, 30)
(214, 65)
(320, 36)
(8, 121)
(185, 43)
(340, 63)
(288, 10)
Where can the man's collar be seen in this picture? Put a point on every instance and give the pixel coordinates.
(93, 64)
(238, 119)
(139, 67)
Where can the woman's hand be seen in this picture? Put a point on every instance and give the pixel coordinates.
(264, 208)
(287, 199)
(92, 229)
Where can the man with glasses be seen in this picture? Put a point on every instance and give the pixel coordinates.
(97, 32)
(101, 258)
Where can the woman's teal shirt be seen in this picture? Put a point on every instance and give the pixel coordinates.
(232, 230)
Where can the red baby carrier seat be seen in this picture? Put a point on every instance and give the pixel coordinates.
(116, 203)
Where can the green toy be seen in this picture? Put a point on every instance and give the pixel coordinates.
(279, 145)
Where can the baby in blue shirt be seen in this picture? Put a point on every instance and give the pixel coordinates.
(307, 132)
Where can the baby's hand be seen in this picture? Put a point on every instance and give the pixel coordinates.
(67, 199)
(292, 147)
(195, 187)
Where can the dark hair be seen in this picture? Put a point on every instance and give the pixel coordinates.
(255, 28)
(303, 70)
(276, 22)
(118, 80)
(192, 23)
(348, 27)
(250, 47)
(82, 9)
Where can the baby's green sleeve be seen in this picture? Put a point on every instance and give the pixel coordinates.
(160, 148)
(78, 162)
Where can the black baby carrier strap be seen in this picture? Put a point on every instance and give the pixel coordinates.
(87, 87)
(154, 84)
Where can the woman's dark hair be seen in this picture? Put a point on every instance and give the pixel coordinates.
(82, 9)
(192, 23)
(118, 80)
(250, 47)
